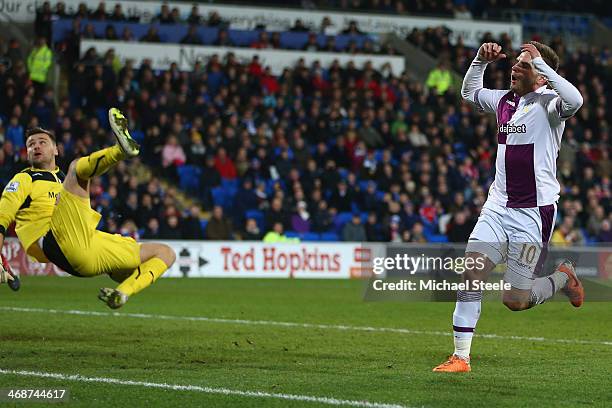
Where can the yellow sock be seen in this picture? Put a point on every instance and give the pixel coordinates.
(145, 275)
(98, 162)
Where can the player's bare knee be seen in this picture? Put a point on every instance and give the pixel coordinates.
(166, 254)
(478, 267)
(515, 302)
(516, 305)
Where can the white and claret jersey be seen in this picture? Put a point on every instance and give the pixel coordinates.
(529, 135)
(29, 200)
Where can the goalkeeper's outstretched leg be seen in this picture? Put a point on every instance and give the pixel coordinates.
(155, 258)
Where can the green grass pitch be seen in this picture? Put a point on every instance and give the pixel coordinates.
(570, 368)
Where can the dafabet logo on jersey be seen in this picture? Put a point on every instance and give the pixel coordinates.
(509, 128)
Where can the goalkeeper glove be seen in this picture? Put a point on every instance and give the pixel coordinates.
(7, 276)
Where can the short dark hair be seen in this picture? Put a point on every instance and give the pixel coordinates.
(549, 55)
(37, 130)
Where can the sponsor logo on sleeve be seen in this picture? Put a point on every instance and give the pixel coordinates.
(12, 187)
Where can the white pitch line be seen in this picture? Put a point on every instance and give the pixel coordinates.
(299, 325)
(198, 388)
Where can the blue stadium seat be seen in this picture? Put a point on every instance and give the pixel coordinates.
(189, 178)
(218, 195)
(329, 236)
(341, 219)
(292, 234)
(231, 188)
(138, 135)
(102, 115)
(310, 236)
(437, 238)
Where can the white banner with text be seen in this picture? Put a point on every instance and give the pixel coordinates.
(162, 55)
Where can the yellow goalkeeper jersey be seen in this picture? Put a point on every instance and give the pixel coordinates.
(29, 200)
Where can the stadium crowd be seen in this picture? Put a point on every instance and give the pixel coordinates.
(343, 150)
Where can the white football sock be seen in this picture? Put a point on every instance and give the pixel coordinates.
(545, 288)
(465, 317)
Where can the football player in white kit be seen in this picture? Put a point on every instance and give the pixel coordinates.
(517, 220)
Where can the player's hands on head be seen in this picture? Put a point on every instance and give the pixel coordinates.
(531, 49)
(491, 52)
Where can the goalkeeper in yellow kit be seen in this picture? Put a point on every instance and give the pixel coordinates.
(55, 223)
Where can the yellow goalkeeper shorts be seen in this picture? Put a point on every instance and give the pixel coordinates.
(74, 244)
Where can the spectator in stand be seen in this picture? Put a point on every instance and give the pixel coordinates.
(327, 27)
(215, 20)
(219, 227)
(43, 21)
(251, 231)
(15, 133)
(117, 14)
(176, 16)
(373, 229)
(460, 228)
(165, 16)
(192, 36)
(605, 233)
(342, 197)
(300, 220)
(196, 152)
(299, 27)
(225, 165)
(417, 233)
(312, 44)
(152, 230)
(191, 226)
(39, 63)
(440, 78)
(100, 12)
(263, 41)
(172, 153)
(352, 29)
(60, 10)
(276, 213)
(353, 230)
(82, 11)
(194, 17)
(151, 36)
(395, 230)
(171, 228)
(595, 222)
(127, 35)
(567, 234)
(277, 235)
(110, 33)
(462, 12)
(223, 39)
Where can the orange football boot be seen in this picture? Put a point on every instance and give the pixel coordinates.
(573, 289)
(454, 364)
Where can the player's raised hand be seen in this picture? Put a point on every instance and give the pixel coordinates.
(490, 52)
(531, 49)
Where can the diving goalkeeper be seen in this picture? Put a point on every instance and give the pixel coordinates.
(55, 223)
